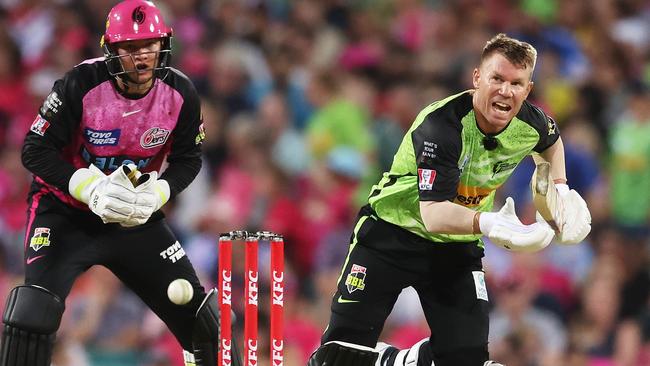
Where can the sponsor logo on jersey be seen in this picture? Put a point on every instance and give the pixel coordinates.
(111, 163)
(188, 358)
(502, 166)
(41, 238)
(126, 114)
(551, 126)
(341, 300)
(430, 150)
(356, 279)
(200, 136)
(462, 165)
(174, 252)
(51, 105)
(470, 196)
(479, 284)
(31, 260)
(102, 137)
(39, 126)
(426, 178)
(154, 136)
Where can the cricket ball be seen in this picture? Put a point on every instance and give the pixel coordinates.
(180, 291)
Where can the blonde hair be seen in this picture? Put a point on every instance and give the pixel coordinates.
(517, 52)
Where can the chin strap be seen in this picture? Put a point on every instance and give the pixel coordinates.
(128, 86)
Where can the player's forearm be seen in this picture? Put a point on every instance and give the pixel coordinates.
(46, 163)
(555, 156)
(447, 218)
(181, 172)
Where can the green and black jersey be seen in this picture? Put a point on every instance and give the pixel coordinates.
(442, 157)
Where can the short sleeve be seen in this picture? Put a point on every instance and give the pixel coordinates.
(546, 127)
(437, 147)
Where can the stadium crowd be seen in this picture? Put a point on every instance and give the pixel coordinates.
(304, 104)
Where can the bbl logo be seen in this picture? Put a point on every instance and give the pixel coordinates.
(40, 239)
(355, 280)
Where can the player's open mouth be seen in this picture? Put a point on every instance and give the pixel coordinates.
(142, 67)
(501, 107)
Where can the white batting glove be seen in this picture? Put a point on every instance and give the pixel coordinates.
(505, 229)
(109, 197)
(577, 219)
(151, 194)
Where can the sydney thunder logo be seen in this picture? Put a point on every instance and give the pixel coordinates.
(355, 280)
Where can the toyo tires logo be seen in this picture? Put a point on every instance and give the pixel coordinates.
(154, 136)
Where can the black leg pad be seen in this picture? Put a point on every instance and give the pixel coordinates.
(206, 338)
(342, 354)
(31, 318)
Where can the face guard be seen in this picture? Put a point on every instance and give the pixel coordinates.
(133, 20)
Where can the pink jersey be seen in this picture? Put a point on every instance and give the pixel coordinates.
(130, 131)
(89, 121)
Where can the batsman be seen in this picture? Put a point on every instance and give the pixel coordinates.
(425, 220)
(126, 111)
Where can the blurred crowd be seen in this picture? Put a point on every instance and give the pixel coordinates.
(305, 103)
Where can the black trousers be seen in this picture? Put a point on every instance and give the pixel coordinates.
(382, 260)
(62, 242)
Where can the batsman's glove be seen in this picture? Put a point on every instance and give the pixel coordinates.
(109, 197)
(576, 223)
(505, 229)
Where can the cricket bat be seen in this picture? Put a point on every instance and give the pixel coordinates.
(546, 197)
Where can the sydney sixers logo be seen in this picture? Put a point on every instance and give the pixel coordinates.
(154, 136)
(138, 15)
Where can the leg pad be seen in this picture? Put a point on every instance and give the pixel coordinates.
(206, 335)
(31, 318)
(343, 354)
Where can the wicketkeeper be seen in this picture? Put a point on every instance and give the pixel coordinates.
(128, 107)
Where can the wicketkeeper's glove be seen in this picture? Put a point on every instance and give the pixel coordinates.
(109, 197)
(505, 229)
(151, 194)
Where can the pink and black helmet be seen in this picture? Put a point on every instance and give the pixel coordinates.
(132, 20)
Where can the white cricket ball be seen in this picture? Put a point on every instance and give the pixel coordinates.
(180, 291)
